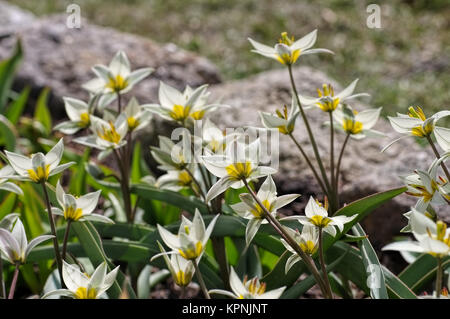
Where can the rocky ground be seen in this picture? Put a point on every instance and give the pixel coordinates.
(61, 58)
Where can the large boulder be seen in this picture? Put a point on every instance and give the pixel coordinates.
(61, 58)
(365, 170)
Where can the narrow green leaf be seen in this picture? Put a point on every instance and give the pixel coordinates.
(42, 113)
(372, 264)
(8, 68)
(421, 272)
(16, 107)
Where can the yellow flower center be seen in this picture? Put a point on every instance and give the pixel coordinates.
(308, 247)
(422, 191)
(320, 221)
(84, 119)
(132, 123)
(416, 112)
(73, 214)
(39, 174)
(180, 112)
(110, 134)
(285, 39)
(197, 115)
(351, 126)
(255, 287)
(84, 293)
(182, 279)
(184, 179)
(259, 212)
(289, 58)
(192, 253)
(239, 171)
(117, 84)
(423, 131)
(283, 129)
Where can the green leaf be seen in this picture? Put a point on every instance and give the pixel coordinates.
(421, 272)
(7, 133)
(7, 205)
(78, 183)
(92, 245)
(372, 264)
(303, 286)
(188, 204)
(8, 68)
(352, 267)
(15, 108)
(42, 113)
(361, 207)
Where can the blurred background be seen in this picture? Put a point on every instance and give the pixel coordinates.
(405, 62)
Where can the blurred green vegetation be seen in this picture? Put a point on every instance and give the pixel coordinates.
(406, 62)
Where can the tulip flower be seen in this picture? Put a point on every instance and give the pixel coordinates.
(283, 120)
(107, 135)
(14, 244)
(78, 208)
(287, 51)
(248, 289)
(357, 124)
(182, 270)
(327, 101)
(308, 240)
(190, 105)
(431, 238)
(117, 78)
(81, 286)
(39, 167)
(234, 168)
(190, 242)
(137, 117)
(316, 214)
(250, 210)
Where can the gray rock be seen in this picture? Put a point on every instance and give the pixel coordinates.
(12, 17)
(61, 58)
(365, 170)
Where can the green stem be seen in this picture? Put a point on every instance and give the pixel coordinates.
(310, 134)
(444, 167)
(218, 244)
(119, 102)
(281, 231)
(439, 277)
(125, 186)
(323, 265)
(14, 282)
(66, 238)
(308, 161)
(334, 202)
(53, 229)
(197, 183)
(338, 169)
(201, 282)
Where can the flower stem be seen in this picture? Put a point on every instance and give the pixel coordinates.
(279, 228)
(338, 168)
(200, 279)
(66, 237)
(308, 161)
(334, 201)
(323, 265)
(444, 167)
(439, 277)
(125, 186)
(119, 102)
(53, 229)
(14, 282)
(197, 183)
(308, 128)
